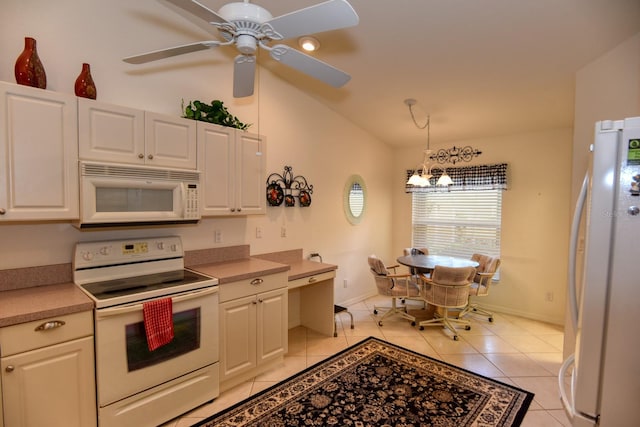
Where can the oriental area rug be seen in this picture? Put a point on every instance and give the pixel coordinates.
(376, 383)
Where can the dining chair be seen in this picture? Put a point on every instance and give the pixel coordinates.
(446, 288)
(482, 281)
(393, 285)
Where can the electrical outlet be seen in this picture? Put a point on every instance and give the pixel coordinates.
(217, 236)
(549, 296)
(283, 232)
(258, 233)
(344, 283)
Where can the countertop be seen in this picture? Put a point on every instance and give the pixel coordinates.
(41, 302)
(241, 269)
(37, 293)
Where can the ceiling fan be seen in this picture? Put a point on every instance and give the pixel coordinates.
(249, 26)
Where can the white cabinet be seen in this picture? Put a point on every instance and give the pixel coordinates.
(253, 327)
(119, 134)
(233, 163)
(48, 372)
(38, 154)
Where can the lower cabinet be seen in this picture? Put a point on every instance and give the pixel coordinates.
(53, 384)
(253, 327)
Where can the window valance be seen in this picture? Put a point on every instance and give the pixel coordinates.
(465, 178)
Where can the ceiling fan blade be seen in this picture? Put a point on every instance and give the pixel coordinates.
(169, 52)
(244, 71)
(327, 16)
(309, 65)
(198, 10)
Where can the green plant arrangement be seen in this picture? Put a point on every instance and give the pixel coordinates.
(215, 113)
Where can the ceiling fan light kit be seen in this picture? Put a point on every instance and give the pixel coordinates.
(308, 43)
(250, 26)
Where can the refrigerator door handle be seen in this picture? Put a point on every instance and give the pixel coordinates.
(567, 403)
(573, 250)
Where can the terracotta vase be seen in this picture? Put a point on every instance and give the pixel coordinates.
(85, 87)
(28, 69)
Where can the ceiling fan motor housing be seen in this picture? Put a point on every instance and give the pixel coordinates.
(247, 19)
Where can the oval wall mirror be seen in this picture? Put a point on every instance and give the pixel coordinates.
(354, 199)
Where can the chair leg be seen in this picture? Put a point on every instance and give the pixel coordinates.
(395, 310)
(472, 308)
(446, 322)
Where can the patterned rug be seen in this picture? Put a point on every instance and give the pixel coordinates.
(376, 383)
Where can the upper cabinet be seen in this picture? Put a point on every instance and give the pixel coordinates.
(119, 134)
(38, 154)
(233, 164)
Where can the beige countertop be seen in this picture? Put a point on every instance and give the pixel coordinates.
(241, 269)
(41, 302)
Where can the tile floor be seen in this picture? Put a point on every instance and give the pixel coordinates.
(514, 350)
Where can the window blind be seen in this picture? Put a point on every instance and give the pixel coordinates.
(458, 223)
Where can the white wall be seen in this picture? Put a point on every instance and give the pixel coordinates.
(316, 142)
(606, 89)
(534, 218)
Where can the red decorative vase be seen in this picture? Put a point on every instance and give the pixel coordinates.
(28, 69)
(85, 87)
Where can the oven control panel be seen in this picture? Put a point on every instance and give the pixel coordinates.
(94, 254)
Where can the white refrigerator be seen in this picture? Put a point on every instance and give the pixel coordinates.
(603, 388)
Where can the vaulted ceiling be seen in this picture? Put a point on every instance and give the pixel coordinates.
(477, 67)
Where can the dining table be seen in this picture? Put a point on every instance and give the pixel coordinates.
(426, 263)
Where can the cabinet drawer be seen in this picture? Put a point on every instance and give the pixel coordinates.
(252, 286)
(309, 280)
(42, 333)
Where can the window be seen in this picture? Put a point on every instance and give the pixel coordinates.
(458, 223)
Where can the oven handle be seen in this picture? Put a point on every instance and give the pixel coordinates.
(122, 309)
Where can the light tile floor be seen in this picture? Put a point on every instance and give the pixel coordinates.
(514, 350)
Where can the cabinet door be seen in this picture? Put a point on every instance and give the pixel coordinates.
(238, 336)
(110, 133)
(250, 184)
(38, 154)
(216, 162)
(170, 141)
(272, 324)
(52, 386)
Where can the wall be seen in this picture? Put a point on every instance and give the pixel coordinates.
(535, 215)
(606, 89)
(316, 142)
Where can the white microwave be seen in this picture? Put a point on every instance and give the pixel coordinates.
(122, 195)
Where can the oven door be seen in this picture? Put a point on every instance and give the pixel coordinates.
(125, 365)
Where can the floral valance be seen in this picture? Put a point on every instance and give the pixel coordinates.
(465, 178)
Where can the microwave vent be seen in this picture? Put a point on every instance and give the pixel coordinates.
(119, 171)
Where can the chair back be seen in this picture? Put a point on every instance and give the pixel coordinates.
(448, 286)
(416, 251)
(485, 271)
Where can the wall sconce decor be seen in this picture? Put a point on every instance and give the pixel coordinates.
(286, 187)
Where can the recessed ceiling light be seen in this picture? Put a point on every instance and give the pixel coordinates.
(309, 43)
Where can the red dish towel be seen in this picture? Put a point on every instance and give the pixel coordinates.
(158, 322)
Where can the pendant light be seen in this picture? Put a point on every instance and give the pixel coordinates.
(422, 174)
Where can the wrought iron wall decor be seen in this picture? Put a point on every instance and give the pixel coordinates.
(455, 154)
(286, 188)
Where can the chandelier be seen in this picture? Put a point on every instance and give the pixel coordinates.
(423, 173)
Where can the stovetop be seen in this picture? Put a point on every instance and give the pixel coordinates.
(127, 271)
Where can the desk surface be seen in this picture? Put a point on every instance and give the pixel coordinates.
(428, 262)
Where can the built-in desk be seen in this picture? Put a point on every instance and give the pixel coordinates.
(310, 291)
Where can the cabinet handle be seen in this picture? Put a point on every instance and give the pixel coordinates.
(239, 209)
(256, 282)
(141, 156)
(253, 302)
(10, 368)
(260, 301)
(150, 157)
(2, 211)
(50, 325)
(312, 279)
